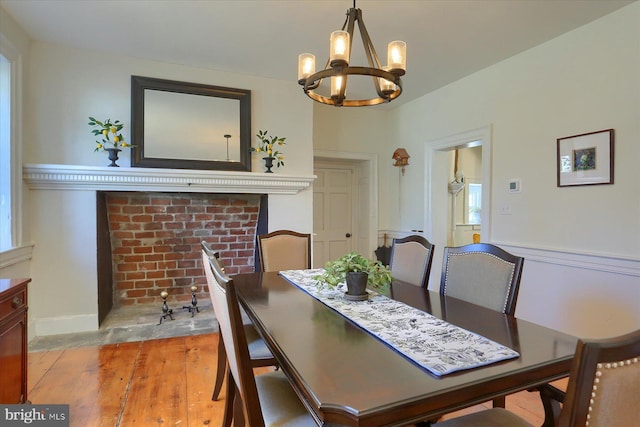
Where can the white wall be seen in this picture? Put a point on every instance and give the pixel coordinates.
(586, 80)
(65, 87)
(578, 241)
(582, 245)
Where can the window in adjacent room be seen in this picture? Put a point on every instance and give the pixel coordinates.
(474, 203)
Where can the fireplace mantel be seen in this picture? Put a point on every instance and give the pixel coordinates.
(73, 177)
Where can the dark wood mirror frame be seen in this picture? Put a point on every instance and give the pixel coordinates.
(138, 159)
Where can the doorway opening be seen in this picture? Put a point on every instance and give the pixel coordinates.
(440, 212)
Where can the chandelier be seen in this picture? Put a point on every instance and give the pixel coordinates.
(386, 80)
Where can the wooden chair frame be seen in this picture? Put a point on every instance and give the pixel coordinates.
(514, 286)
(587, 381)
(221, 366)
(242, 389)
(578, 399)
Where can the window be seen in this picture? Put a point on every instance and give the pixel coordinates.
(474, 205)
(5, 155)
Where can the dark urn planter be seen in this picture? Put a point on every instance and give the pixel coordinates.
(268, 163)
(357, 285)
(113, 156)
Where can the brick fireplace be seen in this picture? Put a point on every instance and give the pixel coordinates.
(71, 275)
(155, 241)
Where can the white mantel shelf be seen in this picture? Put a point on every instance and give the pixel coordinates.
(73, 177)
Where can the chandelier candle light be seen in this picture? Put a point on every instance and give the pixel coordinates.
(386, 80)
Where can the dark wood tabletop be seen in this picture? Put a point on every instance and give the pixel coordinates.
(346, 376)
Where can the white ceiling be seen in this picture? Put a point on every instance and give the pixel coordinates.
(446, 39)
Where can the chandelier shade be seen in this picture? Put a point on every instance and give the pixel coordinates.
(385, 80)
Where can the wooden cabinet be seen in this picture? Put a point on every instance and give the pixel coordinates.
(13, 340)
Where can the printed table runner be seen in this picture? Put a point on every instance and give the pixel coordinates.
(432, 343)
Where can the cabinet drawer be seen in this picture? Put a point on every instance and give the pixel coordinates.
(10, 302)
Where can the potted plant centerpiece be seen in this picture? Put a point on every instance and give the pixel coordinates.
(112, 140)
(269, 146)
(358, 272)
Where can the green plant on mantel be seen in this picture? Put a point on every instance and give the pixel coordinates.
(379, 276)
(269, 146)
(110, 133)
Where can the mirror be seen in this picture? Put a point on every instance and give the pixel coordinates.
(180, 125)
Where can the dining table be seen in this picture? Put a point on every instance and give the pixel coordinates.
(346, 376)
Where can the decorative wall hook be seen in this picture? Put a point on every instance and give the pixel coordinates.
(401, 157)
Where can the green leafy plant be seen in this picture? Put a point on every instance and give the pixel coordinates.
(269, 145)
(335, 271)
(110, 133)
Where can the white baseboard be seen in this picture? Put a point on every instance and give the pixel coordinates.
(64, 325)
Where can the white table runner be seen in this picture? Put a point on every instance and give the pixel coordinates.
(432, 343)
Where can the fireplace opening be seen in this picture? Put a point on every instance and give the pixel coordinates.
(149, 242)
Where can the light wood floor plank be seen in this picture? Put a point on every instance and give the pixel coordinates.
(164, 383)
(158, 392)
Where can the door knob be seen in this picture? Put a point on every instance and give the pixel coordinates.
(347, 235)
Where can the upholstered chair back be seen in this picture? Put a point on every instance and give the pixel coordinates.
(284, 250)
(483, 274)
(604, 386)
(411, 259)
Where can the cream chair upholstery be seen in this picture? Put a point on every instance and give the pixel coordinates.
(284, 250)
(603, 389)
(264, 400)
(483, 274)
(258, 351)
(411, 259)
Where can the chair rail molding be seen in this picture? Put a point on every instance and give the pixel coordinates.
(74, 177)
(607, 263)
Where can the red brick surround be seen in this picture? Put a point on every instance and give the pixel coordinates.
(155, 241)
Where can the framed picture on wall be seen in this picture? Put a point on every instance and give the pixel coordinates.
(586, 159)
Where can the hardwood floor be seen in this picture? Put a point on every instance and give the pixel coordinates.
(164, 382)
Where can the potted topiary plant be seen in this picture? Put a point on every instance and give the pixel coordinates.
(269, 146)
(112, 140)
(358, 272)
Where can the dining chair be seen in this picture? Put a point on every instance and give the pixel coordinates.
(482, 274)
(263, 400)
(603, 389)
(411, 259)
(259, 353)
(284, 250)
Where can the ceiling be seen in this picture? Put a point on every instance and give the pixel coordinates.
(446, 39)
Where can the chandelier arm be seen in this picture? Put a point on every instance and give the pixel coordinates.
(369, 49)
(346, 20)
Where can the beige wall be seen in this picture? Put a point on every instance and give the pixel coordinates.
(582, 244)
(67, 85)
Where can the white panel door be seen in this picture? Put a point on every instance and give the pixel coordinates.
(332, 222)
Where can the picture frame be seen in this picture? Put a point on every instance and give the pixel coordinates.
(585, 159)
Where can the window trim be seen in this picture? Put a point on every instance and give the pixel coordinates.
(16, 253)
